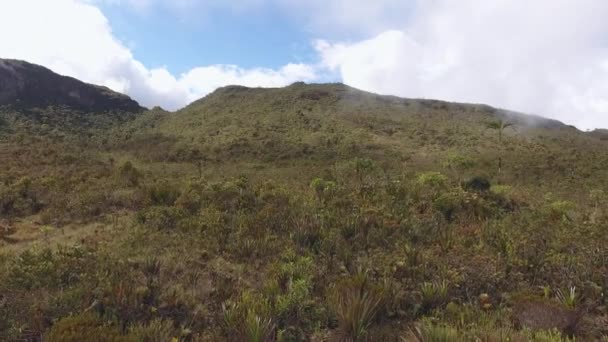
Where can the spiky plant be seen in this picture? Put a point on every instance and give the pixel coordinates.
(430, 332)
(434, 294)
(568, 298)
(258, 329)
(356, 303)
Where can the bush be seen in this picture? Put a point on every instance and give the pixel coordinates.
(432, 179)
(448, 204)
(540, 314)
(156, 331)
(160, 217)
(560, 210)
(86, 327)
(18, 199)
(47, 269)
(430, 332)
(477, 184)
(128, 175)
(323, 189)
(162, 193)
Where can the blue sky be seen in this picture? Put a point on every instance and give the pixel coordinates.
(505, 53)
(182, 41)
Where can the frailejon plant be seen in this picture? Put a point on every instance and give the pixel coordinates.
(258, 329)
(569, 298)
(428, 331)
(434, 294)
(356, 302)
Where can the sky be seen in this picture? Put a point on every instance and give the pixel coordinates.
(543, 57)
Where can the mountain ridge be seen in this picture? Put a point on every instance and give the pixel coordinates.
(25, 85)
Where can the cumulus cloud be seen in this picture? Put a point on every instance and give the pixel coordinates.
(545, 57)
(74, 38)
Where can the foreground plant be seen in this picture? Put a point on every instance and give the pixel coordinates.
(356, 303)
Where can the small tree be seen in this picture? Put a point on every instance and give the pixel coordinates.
(500, 126)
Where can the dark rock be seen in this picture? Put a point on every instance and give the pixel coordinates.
(26, 85)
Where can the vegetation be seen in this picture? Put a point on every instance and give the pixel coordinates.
(311, 212)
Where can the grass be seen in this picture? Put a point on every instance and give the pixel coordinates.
(306, 211)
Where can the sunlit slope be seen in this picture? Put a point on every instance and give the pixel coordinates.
(324, 123)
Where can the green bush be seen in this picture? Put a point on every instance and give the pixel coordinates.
(162, 193)
(160, 217)
(86, 327)
(448, 204)
(431, 332)
(129, 175)
(323, 189)
(432, 179)
(18, 199)
(156, 331)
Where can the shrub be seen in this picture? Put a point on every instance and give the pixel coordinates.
(540, 314)
(86, 327)
(44, 268)
(156, 331)
(363, 166)
(162, 193)
(447, 204)
(560, 210)
(159, 217)
(323, 189)
(459, 163)
(128, 175)
(432, 179)
(430, 332)
(548, 336)
(477, 184)
(189, 201)
(18, 199)
(501, 190)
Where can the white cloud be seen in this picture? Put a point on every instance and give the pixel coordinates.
(546, 57)
(74, 38)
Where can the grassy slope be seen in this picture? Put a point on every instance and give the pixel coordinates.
(222, 239)
(317, 125)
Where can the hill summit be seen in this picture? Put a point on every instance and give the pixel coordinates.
(26, 85)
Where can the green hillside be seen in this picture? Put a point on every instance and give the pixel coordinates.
(306, 213)
(319, 125)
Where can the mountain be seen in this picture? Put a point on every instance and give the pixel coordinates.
(27, 85)
(601, 134)
(312, 212)
(320, 124)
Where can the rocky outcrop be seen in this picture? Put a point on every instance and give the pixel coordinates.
(27, 85)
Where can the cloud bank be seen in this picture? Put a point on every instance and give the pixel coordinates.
(547, 57)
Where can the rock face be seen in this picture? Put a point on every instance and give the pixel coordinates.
(26, 85)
